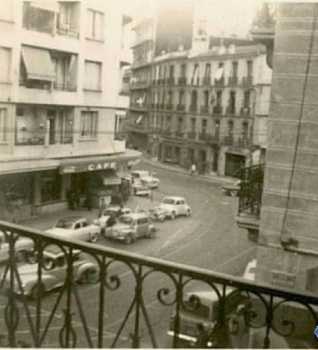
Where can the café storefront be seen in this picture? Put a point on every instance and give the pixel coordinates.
(96, 180)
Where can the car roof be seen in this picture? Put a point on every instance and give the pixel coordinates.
(174, 198)
(72, 218)
(137, 215)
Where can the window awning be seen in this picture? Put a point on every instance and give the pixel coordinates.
(26, 166)
(47, 5)
(38, 63)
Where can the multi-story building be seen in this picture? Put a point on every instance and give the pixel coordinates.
(58, 103)
(209, 107)
(286, 220)
(166, 31)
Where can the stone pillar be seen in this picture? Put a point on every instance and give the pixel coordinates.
(289, 217)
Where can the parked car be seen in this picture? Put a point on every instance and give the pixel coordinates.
(159, 214)
(175, 206)
(130, 227)
(249, 272)
(112, 211)
(232, 189)
(140, 188)
(54, 272)
(76, 227)
(201, 308)
(147, 177)
(23, 248)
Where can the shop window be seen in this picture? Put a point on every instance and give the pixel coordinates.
(50, 186)
(89, 121)
(93, 73)
(3, 124)
(95, 25)
(16, 190)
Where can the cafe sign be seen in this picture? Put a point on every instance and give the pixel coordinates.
(85, 167)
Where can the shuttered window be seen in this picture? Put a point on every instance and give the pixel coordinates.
(93, 71)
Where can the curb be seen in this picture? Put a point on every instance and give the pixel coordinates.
(214, 179)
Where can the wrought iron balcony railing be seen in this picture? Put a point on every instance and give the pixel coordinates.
(204, 109)
(247, 81)
(228, 140)
(233, 80)
(171, 81)
(251, 189)
(180, 107)
(129, 282)
(192, 135)
(217, 110)
(193, 108)
(206, 81)
(182, 81)
(219, 82)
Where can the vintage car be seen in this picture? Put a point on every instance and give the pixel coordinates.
(159, 214)
(76, 227)
(232, 189)
(201, 308)
(54, 272)
(130, 227)
(140, 188)
(23, 248)
(113, 211)
(249, 272)
(147, 178)
(175, 206)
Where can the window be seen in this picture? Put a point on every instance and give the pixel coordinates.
(39, 17)
(93, 72)
(180, 124)
(232, 102)
(246, 99)
(195, 74)
(219, 98)
(204, 124)
(67, 18)
(171, 71)
(244, 130)
(5, 64)
(249, 68)
(193, 124)
(234, 69)
(89, 121)
(95, 25)
(50, 186)
(217, 128)
(3, 124)
(183, 70)
(194, 98)
(230, 126)
(206, 98)
(207, 70)
(181, 97)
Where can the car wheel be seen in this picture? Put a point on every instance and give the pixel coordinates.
(188, 213)
(151, 234)
(129, 239)
(37, 291)
(93, 237)
(173, 215)
(89, 276)
(31, 257)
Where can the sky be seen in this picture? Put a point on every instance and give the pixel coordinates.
(225, 17)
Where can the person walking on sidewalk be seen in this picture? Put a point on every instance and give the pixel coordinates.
(193, 169)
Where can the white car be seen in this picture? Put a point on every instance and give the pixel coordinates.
(249, 272)
(111, 211)
(140, 188)
(23, 248)
(175, 206)
(54, 272)
(146, 177)
(76, 227)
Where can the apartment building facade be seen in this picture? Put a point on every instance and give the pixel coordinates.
(58, 103)
(208, 107)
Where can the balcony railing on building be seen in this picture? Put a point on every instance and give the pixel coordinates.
(67, 30)
(179, 133)
(169, 106)
(257, 313)
(245, 111)
(191, 135)
(180, 107)
(139, 106)
(182, 81)
(219, 82)
(228, 140)
(230, 110)
(204, 109)
(217, 110)
(193, 108)
(233, 81)
(247, 81)
(67, 86)
(171, 81)
(206, 81)
(141, 84)
(209, 138)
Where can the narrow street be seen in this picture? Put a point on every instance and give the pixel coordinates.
(208, 239)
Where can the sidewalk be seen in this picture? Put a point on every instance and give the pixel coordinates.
(213, 178)
(46, 221)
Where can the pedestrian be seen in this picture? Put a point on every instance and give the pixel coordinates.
(193, 169)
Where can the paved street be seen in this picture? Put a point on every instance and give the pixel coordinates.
(208, 239)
